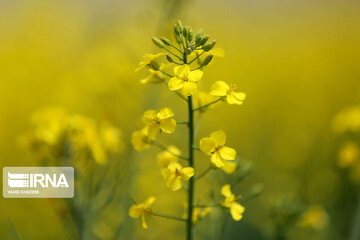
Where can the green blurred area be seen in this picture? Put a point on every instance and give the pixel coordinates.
(297, 61)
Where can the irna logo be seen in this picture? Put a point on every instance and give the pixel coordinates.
(18, 180)
(38, 182)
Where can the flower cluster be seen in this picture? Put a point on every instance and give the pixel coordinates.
(347, 123)
(59, 134)
(188, 56)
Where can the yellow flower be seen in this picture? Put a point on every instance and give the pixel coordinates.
(140, 139)
(229, 167)
(175, 173)
(148, 60)
(236, 209)
(166, 157)
(315, 217)
(157, 121)
(185, 80)
(198, 213)
(214, 146)
(222, 89)
(348, 155)
(142, 210)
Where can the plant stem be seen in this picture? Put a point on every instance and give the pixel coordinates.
(169, 217)
(162, 147)
(207, 105)
(189, 222)
(204, 173)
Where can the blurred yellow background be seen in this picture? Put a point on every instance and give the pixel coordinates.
(298, 62)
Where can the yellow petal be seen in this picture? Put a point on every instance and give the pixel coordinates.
(150, 201)
(226, 190)
(180, 70)
(195, 75)
(229, 167)
(236, 98)
(207, 145)
(134, 212)
(175, 83)
(188, 172)
(168, 125)
(173, 166)
(217, 160)
(219, 137)
(153, 129)
(165, 113)
(174, 183)
(143, 222)
(189, 88)
(236, 211)
(219, 88)
(227, 153)
(148, 116)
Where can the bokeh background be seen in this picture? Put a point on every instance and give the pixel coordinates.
(298, 62)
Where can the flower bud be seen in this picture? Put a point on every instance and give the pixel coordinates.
(198, 36)
(204, 39)
(154, 65)
(177, 30)
(190, 35)
(185, 32)
(188, 51)
(169, 58)
(179, 24)
(207, 60)
(207, 47)
(158, 43)
(165, 41)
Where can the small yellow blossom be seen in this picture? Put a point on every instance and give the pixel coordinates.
(166, 157)
(236, 209)
(157, 121)
(348, 155)
(140, 139)
(315, 217)
(142, 210)
(214, 146)
(174, 174)
(222, 89)
(198, 213)
(185, 80)
(148, 60)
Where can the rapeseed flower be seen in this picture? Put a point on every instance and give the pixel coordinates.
(174, 174)
(159, 121)
(149, 61)
(214, 146)
(222, 89)
(164, 158)
(185, 80)
(140, 139)
(230, 201)
(142, 210)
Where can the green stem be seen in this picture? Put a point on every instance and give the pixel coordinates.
(207, 105)
(196, 57)
(174, 54)
(204, 173)
(176, 48)
(182, 123)
(169, 217)
(189, 222)
(167, 74)
(162, 147)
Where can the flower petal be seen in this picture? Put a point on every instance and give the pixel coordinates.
(165, 113)
(226, 190)
(189, 89)
(207, 145)
(180, 70)
(227, 153)
(134, 211)
(236, 211)
(143, 222)
(153, 129)
(175, 83)
(195, 76)
(148, 116)
(168, 125)
(229, 167)
(149, 201)
(236, 98)
(187, 172)
(217, 160)
(219, 137)
(219, 88)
